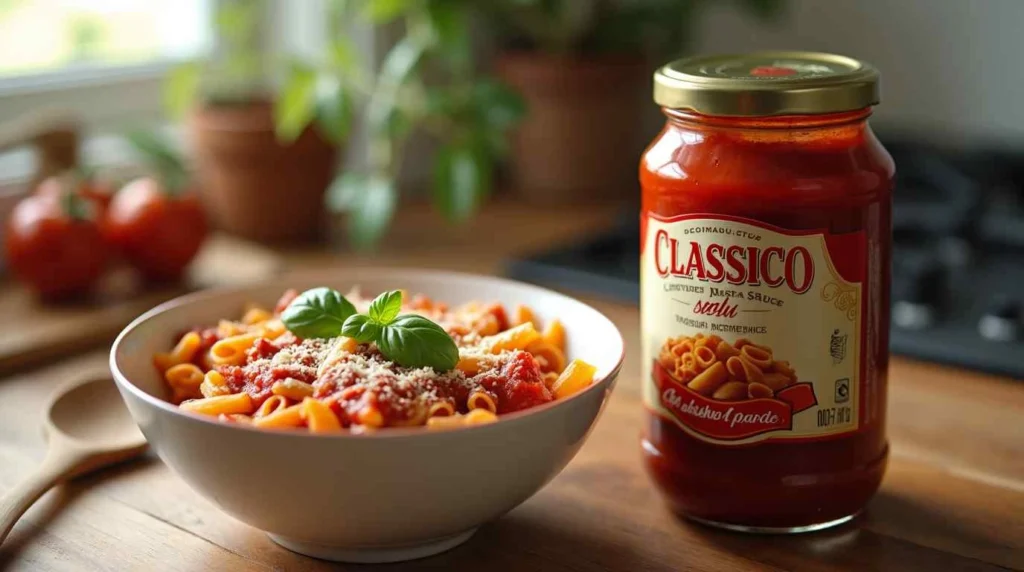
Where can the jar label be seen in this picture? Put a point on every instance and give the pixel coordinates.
(752, 332)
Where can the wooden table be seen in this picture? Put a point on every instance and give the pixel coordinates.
(953, 498)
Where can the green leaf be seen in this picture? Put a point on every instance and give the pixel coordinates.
(414, 341)
(361, 328)
(75, 206)
(383, 11)
(236, 20)
(158, 153)
(317, 313)
(396, 68)
(371, 211)
(447, 20)
(498, 105)
(385, 308)
(181, 88)
(462, 179)
(334, 110)
(296, 106)
(343, 55)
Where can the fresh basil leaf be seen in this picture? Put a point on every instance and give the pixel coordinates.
(317, 313)
(414, 341)
(384, 308)
(361, 328)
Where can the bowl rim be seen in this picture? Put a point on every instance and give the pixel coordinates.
(507, 419)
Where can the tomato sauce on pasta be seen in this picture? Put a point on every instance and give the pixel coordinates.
(765, 242)
(255, 371)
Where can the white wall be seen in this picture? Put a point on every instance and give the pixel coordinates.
(952, 70)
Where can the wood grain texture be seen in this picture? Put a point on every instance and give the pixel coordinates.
(952, 500)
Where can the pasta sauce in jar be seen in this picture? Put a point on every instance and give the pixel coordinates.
(765, 249)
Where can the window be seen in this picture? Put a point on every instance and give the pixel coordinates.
(98, 62)
(46, 36)
(102, 62)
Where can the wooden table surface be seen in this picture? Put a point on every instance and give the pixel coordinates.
(953, 497)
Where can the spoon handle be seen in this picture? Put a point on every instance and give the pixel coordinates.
(57, 466)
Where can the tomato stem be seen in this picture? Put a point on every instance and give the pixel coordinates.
(74, 206)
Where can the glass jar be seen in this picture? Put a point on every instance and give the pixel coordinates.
(765, 260)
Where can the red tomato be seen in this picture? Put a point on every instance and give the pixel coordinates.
(157, 232)
(94, 190)
(54, 245)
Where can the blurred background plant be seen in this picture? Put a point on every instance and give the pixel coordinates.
(572, 83)
(428, 82)
(583, 67)
(656, 28)
(262, 167)
(233, 75)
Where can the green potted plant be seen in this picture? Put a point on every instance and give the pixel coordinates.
(263, 163)
(584, 67)
(427, 83)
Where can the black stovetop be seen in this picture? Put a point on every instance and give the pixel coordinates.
(958, 259)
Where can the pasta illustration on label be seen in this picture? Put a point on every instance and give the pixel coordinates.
(752, 332)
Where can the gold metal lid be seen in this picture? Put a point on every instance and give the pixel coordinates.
(766, 83)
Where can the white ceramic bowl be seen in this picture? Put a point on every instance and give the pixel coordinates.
(392, 495)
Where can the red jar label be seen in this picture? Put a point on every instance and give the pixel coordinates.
(752, 332)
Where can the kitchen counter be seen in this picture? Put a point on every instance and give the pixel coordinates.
(953, 497)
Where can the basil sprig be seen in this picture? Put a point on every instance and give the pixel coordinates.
(317, 313)
(410, 340)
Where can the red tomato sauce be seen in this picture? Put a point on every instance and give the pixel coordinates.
(826, 173)
(366, 378)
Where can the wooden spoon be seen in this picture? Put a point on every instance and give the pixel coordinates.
(87, 427)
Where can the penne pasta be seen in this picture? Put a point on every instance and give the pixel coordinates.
(731, 391)
(524, 315)
(516, 338)
(577, 376)
(255, 316)
(704, 356)
(449, 422)
(231, 351)
(272, 405)
(184, 351)
(725, 350)
(292, 389)
(725, 371)
(554, 334)
(319, 417)
(214, 384)
(281, 419)
(184, 380)
(756, 355)
(222, 404)
(550, 357)
(370, 416)
(709, 380)
(441, 409)
(479, 417)
(253, 370)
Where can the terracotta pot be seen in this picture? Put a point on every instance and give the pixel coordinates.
(253, 185)
(583, 133)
